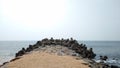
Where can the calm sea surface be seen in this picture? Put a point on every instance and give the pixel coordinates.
(9, 48)
(109, 48)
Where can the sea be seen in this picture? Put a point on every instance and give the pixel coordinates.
(104, 48)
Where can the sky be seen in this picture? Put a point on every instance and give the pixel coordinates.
(80, 19)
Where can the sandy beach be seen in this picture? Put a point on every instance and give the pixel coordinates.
(45, 60)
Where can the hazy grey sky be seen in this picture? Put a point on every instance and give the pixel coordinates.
(80, 19)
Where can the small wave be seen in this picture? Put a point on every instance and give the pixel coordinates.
(110, 62)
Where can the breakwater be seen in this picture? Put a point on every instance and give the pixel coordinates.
(70, 43)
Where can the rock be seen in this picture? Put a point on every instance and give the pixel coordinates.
(15, 59)
(5, 63)
(39, 43)
(52, 40)
(90, 54)
(114, 66)
(74, 54)
(35, 46)
(100, 65)
(20, 53)
(103, 58)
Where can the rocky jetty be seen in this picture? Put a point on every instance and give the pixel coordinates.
(59, 46)
(64, 47)
(72, 44)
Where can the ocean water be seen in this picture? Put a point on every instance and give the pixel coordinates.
(108, 48)
(9, 48)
